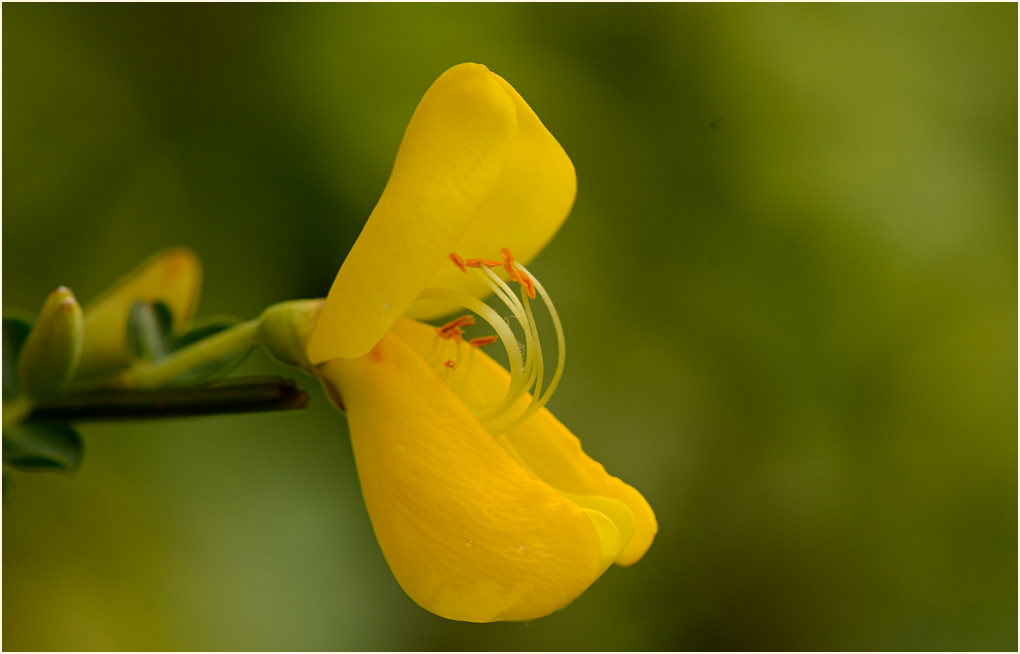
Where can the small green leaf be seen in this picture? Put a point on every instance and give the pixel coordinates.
(43, 446)
(15, 333)
(149, 330)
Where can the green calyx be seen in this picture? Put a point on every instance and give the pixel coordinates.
(284, 330)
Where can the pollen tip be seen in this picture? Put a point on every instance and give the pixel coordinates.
(508, 261)
(482, 341)
(454, 328)
(458, 261)
(479, 262)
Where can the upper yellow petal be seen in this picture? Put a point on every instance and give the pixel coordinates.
(552, 452)
(468, 533)
(524, 211)
(451, 157)
(475, 172)
(173, 277)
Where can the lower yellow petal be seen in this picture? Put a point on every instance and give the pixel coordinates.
(468, 533)
(552, 452)
(556, 456)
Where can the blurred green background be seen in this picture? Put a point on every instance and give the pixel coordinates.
(788, 287)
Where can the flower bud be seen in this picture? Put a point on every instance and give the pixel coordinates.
(173, 277)
(52, 350)
(284, 330)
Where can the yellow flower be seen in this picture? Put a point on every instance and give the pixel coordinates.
(484, 505)
(173, 276)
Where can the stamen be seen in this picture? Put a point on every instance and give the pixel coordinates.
(503, 292)
(561, 350)
(478, 263)
(519, 381)
(531, 352)
(529, 286)
(508, 263)
(454, 328)
(526, 361)
(486, 313)
(458, 261)
(516, 274)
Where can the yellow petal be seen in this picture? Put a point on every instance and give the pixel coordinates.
(476, 171)
(524, 211)
(609, 536)
(451, 157)
(553, 453)
(467, 532)
(173, 277)
(556, 456)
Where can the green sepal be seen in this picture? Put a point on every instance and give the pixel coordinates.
(40, 446)
(284, 330)
(149, 331)
(16, 332)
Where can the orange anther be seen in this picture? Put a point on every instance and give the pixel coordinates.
(529, 286)
(479, 262)
(451, 364)
(482, 341)
(454, 328)
(516, 275)
(463, 321)
(508, 263)
(458, 261)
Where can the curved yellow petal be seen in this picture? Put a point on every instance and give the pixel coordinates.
(173, 277)
(476, 171)
(556, 456)
(452, 155)
(618, 513)
(468, 533)
(609, 536)
(551, 452)
(524, 211)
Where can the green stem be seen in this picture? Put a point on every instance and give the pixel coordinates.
(217, 346)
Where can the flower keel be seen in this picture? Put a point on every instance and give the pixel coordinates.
(468, 533)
